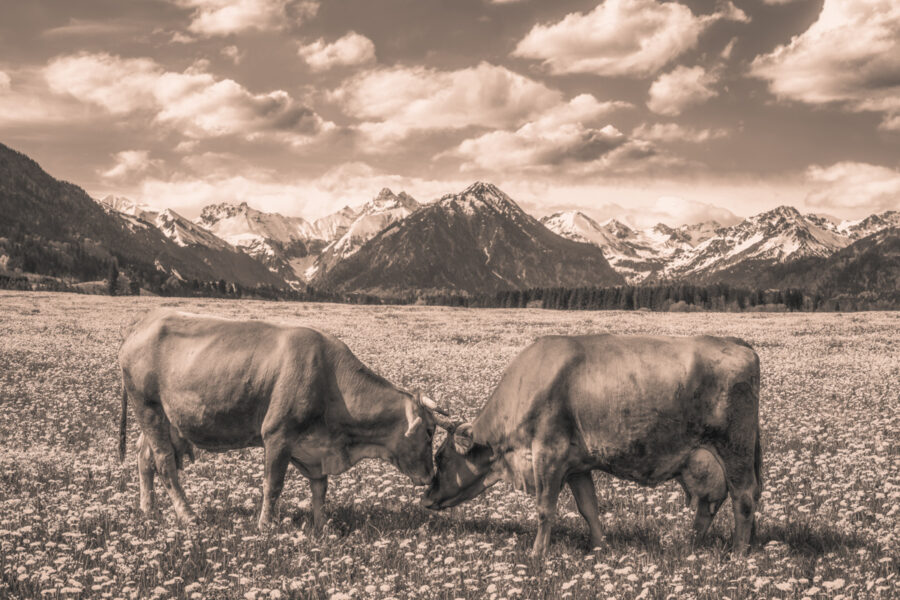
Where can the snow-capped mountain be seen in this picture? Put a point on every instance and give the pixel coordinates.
(367, 221)
(634, 253)
(871, 224)
(476, 241)
(177, 228)
(774, 237)
(708, 252)
(281, 243)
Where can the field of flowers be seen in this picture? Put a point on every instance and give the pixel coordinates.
(829, 523)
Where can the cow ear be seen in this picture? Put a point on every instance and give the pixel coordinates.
(462, 438)
(413, 420)
(412, 426)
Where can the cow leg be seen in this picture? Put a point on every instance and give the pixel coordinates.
(744, 490)
(703, 480)
(146, 470)
(548, 483)
(318, 487)
(582, 486)
(278, 455)
(156, 430)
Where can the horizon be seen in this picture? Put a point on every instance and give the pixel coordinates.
(624, 219)
(675, 112)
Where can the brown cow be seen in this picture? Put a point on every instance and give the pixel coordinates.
(299, 393)
(646, 409)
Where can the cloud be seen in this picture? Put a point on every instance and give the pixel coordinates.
(673, 132)
(25, 102)
(233, 53)
(223, 17)
(853, 185)
(90, 27)
(849, 56)
(675, 210)
(350, 183)
(675, 91)
(566, 133)
(193, 102)
(633, 38)
(350, 50)
(394, 102)
(130, 162)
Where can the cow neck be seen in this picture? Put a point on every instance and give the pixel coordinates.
(372, 409)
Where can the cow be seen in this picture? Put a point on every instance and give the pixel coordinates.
(645, 409)
(301, 394)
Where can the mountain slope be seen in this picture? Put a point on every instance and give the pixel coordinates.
(53, 227)
(476, 241)
(275, 240)
(869, 266)
(742, 254)
(367, 221)
(635, 254)
(223, 259)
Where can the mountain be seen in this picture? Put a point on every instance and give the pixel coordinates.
(54, 228)
(366, 222)
(869, 267)
(223, 259)
(743, 253)
(179, 229)
(476, 241)
(871, 224)
(279, 242)
(635, 254)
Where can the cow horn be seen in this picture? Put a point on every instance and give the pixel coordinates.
(433, 406)
(441, 416)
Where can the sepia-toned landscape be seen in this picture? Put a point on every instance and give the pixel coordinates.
(829, 520)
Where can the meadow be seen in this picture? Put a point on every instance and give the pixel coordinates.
(829, 521)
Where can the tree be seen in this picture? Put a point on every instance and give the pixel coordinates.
(113, 278)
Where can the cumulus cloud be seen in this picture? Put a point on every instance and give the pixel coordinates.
(350, 50)
(394, 102)
(849, 56)
(5, 81)
(567, 133)
(675, 210)
(194, 102)
(854, 185)
(675, 91)
(223, 17)
(233, 53)
(130, 162)
(620, 37)
(673, 132)
(350, 184)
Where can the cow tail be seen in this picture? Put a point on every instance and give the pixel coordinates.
(123, 423)
(757, 466)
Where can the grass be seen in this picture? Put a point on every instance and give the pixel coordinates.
(70, 528)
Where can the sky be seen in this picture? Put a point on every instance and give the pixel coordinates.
(653, 111)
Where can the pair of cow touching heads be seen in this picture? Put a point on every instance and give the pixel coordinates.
(646, 409)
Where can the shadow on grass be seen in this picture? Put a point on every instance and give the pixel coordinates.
(809, 539)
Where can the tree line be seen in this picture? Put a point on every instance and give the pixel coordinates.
(668, 297)
(673, 297)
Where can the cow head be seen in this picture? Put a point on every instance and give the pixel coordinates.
(463, 470)
(412, 448)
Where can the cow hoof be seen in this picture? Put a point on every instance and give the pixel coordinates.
(265, 525)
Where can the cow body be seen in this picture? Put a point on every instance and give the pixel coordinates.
(297, 392)
(646, 409)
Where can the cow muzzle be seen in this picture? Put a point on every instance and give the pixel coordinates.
(420, 479)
